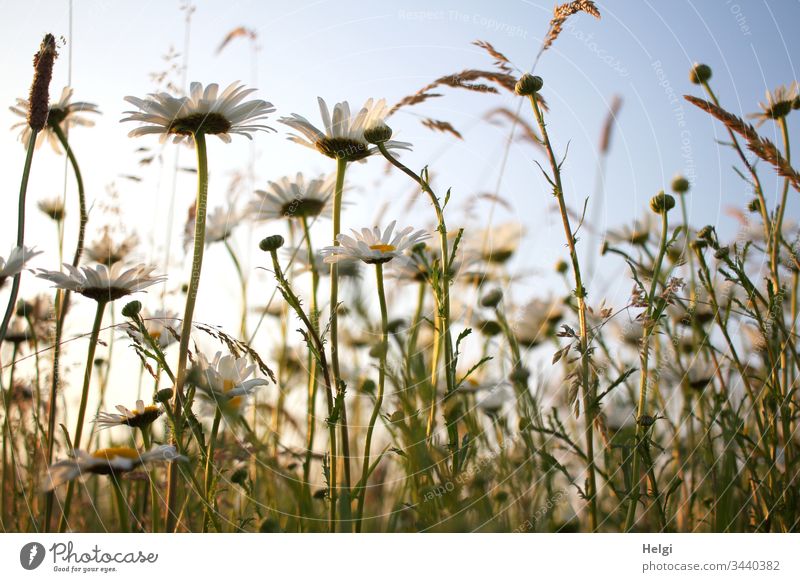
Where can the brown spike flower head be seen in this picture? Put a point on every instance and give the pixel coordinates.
(40, 88)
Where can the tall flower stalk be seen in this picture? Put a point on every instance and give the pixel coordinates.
(529, 86)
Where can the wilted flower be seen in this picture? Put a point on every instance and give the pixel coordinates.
(293, 198)
(372, 246)
(141, 417)
(53, 207)
(203, 111)
(108, 251)
(344, 134)
(16, 262)
(222, 383)
(220, 223)
(63, 113)
(495, 244)
(111, 461)
(779, 103)
(102, 283)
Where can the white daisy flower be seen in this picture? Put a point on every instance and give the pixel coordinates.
(222, 383)
(495, 244)
(111, 461)
(53, 208)
(537, 321)
(159, 327)
(63, 113)
(344, 134)
(204, 110)
(372, 246)
(220, 223)
(293, 198)
(102, 283)
(492, 398)
(141, 417)
(16, 262)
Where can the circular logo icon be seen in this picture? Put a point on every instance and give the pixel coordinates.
(31, 555)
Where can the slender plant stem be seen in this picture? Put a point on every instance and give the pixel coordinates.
(242, 286)
(580, 295)
(87, 380)
(362, 490)
(209, 476)
(122, 504)
(188, 314)
(23, 192)
(62, 304)
(341, 167)
(650, 327)
(312, 363)
(443, 301)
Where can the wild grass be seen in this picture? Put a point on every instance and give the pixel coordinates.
(676, 411)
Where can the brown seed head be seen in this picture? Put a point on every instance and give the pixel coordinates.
(40, 88)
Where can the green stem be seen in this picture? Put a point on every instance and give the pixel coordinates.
(61, 311)
(312, 364)
(122, 504)
(650, 327)
(443, 304)
(580, 295)
(242, 286)
(362, 490)
(341, 167)
(87, 380)
(186, 327)
(23, 192)
(209, 476)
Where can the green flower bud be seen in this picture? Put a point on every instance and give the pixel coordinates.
(754, 206)
(132, 309)
(661, 203)
(492, 298)
(271, 243)
(379, 133)
(680, 185)
(562, 266)
(700, 74)
(528, 85)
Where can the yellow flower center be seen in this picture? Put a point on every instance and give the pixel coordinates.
(113, 452)
(382, 248)
(228, 385)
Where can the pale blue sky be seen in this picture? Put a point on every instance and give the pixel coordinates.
(641, 50)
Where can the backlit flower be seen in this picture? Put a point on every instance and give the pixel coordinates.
(111, 461)
(63, 113)
(538, 321)
(293, 198)
(160, 326)
(140, 417)
(224, 383)
(102, 283)
(16, 262)
(204, 110)
(373, 246)
(108, 251)
(343, 137)
(779, 103)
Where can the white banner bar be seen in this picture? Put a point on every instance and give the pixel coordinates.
(398, 557)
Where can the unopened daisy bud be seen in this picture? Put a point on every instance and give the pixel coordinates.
(492, 298)
(490, 328)
(645, 420)
(239, 477)
(680, 185)
(519, 375)
(754, 206)
(661, 203)
(40, 88)
(528, 85)
(700, 74)
(164, 395)
(132, 309)
(722, 253)
(562, 266)
(379, 133)
(271, 243)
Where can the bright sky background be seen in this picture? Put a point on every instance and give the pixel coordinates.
(351, 50)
